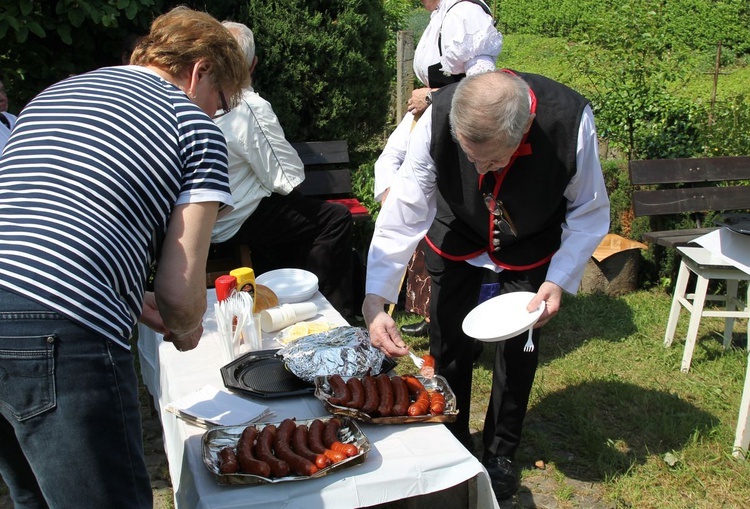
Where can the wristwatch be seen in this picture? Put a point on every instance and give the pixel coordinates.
(428, 98)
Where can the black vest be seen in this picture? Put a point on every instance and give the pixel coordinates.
(531, 187)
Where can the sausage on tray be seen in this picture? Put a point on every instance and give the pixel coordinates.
(385, 391)
(263, 451)
(283, 448)
(372, 398)
(437, 403)
(332, 442)
(339, 389)
(357, 391)
(248, 463)
(228, 461)
(421, 403)
(400, 396)
(300, 445)
(315, 436)
(316, 442)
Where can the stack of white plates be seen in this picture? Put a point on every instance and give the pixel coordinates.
(290, 285)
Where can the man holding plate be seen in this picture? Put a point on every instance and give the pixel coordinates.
(502, 174)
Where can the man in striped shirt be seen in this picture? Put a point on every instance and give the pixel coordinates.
(104, 174)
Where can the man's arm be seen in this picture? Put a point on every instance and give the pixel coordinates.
(586, 222)
(180, 285)
(402, 222)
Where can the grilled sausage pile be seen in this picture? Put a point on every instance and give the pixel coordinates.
(384, 396)
(289, 449)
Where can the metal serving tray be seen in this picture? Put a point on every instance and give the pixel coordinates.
(215, 439)
(323, 392)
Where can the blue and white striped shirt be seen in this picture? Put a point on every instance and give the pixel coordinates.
(88, 179)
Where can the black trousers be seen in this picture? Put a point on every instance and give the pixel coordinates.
(455, 292)
(295, 231)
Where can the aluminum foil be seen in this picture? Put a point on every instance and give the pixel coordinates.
(343, 350)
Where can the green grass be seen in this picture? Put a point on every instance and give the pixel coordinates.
(548, 56)
(611, 407)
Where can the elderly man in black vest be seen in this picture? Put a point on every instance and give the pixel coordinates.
(503, 177)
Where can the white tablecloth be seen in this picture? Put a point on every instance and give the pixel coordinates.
(405, 461)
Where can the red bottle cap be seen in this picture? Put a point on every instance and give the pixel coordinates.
(225, 287)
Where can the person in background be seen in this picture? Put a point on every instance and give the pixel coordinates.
(282, 227)
(502, 173)
(7, 120)
(127, 167)
(460, 40)
(128, 46)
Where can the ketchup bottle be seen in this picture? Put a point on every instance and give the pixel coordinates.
(225, 287)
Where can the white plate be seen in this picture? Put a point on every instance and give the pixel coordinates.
(501, 317)
(290, 285)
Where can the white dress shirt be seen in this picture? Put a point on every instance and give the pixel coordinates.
(470, 44)
(261, 161)
(411, 206)
(5, 130)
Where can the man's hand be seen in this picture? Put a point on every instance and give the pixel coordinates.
(551, 294)
(417, 103)
(384, 334)
(150, 315)
(185, 340)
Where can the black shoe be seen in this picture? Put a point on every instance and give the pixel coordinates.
(503, 476)
(419, 329)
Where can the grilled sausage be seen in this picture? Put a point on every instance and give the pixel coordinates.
(428, 366)
(437, 403)
(315, 436)
(400, 396)
(340, 391)
(372, 398)
(421, 403)
(301, 447)
(283, 448)
(357, 391)
(385, 391)
(248, 463)
(228, 461)
(332, 442)
(263, 451)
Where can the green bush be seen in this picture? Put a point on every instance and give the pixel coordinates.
(44, 42)
(322, 65)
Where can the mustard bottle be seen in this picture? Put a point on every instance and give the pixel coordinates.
(245, 279)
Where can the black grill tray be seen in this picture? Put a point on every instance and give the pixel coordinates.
(263, 374)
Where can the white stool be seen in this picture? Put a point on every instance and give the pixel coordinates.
(705, 266)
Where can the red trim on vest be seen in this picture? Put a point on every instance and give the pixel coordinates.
(505, 266)
(522, 267)
(455, 258)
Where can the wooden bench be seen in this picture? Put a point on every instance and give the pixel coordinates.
(325, 179)
(692, 185)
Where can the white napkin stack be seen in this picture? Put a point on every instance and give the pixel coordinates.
(212, 406)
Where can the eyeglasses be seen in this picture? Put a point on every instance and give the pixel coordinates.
(502, 218)
(224, 105)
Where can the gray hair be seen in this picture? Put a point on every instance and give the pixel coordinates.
(244, 37)
(491, 106)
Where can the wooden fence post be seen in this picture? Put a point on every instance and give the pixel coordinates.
(404, 70)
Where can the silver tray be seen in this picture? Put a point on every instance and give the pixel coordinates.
(323, 392)
(215, 439)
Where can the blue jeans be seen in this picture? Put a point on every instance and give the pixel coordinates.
(70, 424)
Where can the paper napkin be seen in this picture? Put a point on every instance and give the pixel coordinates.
(210, 405)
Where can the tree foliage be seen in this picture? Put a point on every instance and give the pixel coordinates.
(44, 42)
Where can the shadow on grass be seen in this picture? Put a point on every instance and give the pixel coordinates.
(597, 431)
(581, 317)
